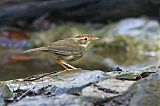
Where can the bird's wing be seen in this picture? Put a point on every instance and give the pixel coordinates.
(66, 47)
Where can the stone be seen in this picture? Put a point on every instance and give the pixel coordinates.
(5, 93)
(145, 92)
(107, 89)
(137, 27)
(136, 74)
(67, 82)
(2, 102)
(58, 100)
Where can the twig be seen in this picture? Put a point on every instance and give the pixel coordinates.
(24, 94)
(32, 78)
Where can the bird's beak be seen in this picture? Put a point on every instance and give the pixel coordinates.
(94, 38)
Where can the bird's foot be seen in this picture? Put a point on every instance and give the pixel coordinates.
(78, 68)
(66, 70)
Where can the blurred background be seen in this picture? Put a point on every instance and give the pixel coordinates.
(129, 32)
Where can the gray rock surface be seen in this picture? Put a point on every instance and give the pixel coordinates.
(107, 89)
(68, 82)
(137, 27)
(4, 90)
(2, 102)
(85, 88)
(145, 92)
(56, 87)
(136, 74)
(5, 93)
(59, 100)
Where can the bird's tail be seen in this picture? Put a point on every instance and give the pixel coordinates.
(36, 49)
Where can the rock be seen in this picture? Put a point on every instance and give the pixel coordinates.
(129, 43)
(137, 27)
(136, 74)
(140, 32)
(86, 88)
(107, 89)
(51, 90)
(59, 100)
(4, 90)
(67, 82)
(145, 92)
(2, 102)
(5, 93)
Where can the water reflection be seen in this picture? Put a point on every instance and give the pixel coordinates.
(14, 65)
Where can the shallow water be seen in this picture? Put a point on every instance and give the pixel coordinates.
(14, 65)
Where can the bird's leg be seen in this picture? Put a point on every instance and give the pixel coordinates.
(65, 65)
(70, 66)
(59, 61)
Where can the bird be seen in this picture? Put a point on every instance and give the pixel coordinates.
(69, 49)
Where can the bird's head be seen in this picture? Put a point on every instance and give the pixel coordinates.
(85, 39)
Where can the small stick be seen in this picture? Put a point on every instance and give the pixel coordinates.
(25, 93)
(36, 78)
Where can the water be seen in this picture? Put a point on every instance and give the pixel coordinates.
(16, 65)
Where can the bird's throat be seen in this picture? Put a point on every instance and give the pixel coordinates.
(85, 45)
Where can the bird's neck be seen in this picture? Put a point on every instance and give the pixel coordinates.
(85, 45)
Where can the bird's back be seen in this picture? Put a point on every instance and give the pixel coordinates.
(66, 47)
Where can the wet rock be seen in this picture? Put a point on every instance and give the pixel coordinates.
(107, 89)
(143, 93)
(5, 93)
(68, 82)
(59, 100)
(135, 75)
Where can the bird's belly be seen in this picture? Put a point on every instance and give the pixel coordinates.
(68, 57)
(72, 57)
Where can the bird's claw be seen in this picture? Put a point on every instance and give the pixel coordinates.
(68, 70)
(78, 68)
(72, 69)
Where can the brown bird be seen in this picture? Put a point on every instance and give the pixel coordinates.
(69, 49)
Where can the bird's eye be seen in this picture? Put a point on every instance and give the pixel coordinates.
(85, 39)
